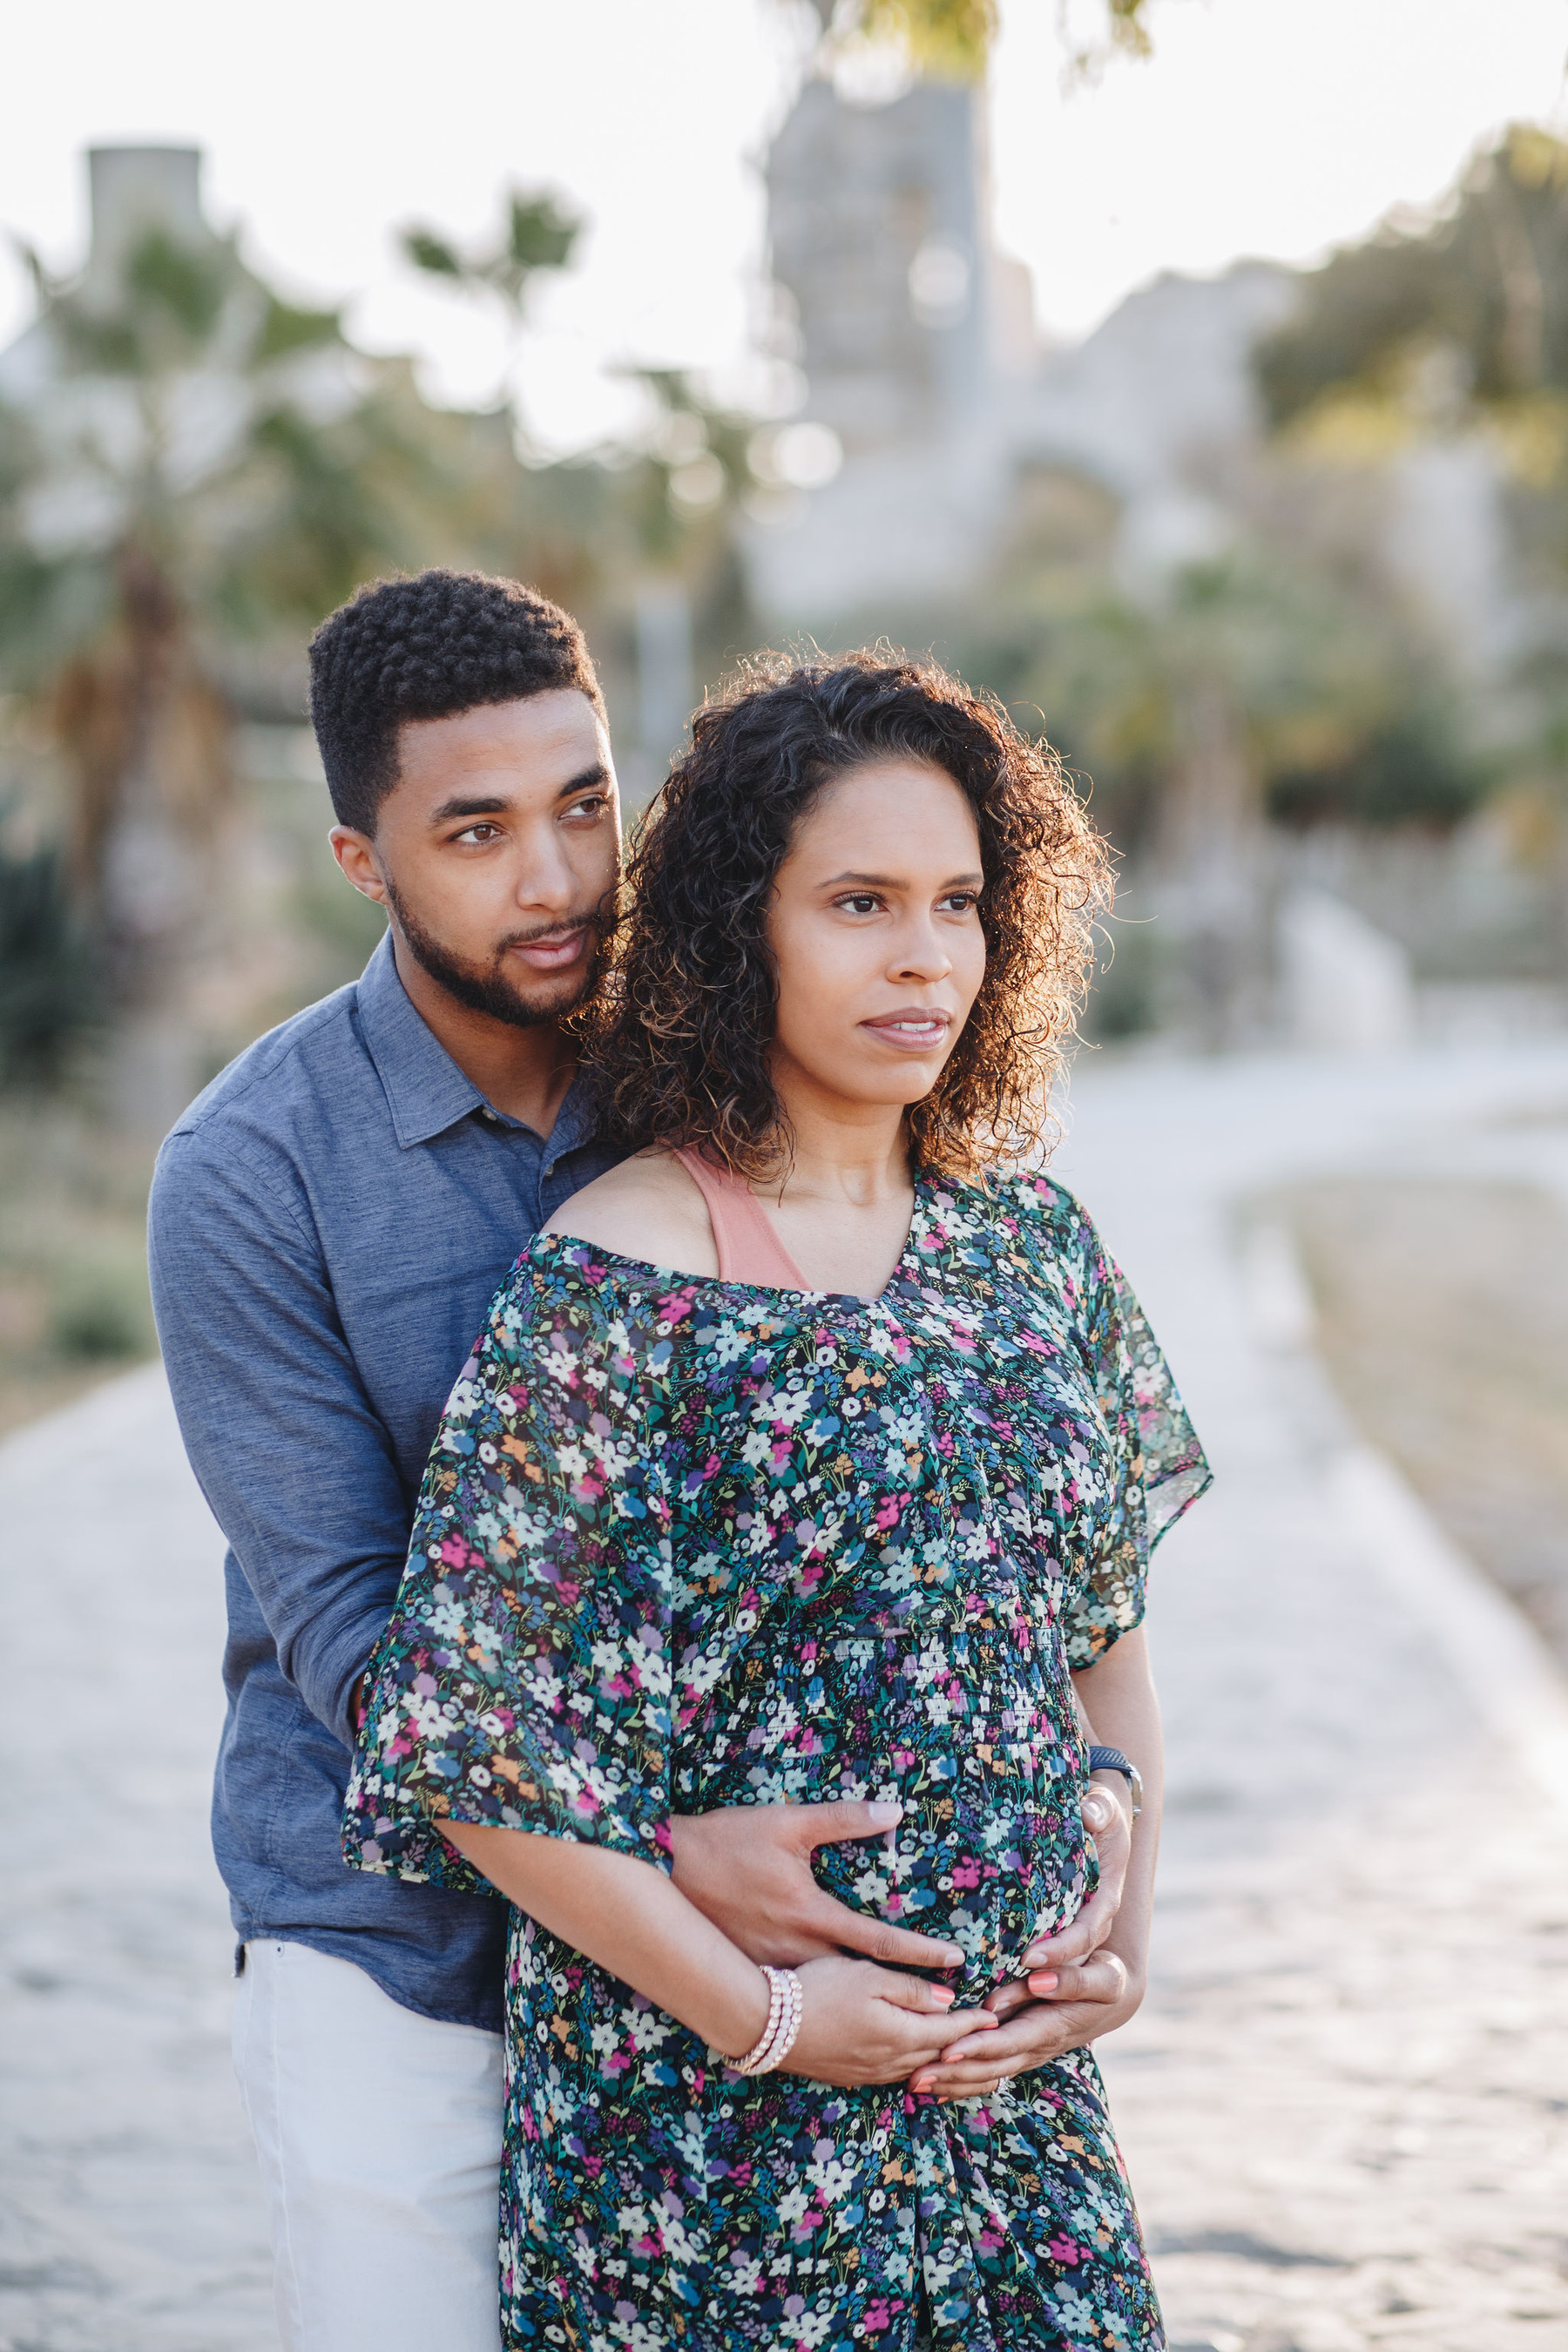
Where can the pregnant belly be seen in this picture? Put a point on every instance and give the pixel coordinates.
(971, 1728)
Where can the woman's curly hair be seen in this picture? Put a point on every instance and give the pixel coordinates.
(687, 1024)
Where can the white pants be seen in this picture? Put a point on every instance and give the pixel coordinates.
(379, 2136)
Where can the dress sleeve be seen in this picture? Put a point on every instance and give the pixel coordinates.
(1156, 1466)
(523, 1681)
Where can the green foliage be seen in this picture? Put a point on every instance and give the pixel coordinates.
(99, 1312)
(952, 39)
(1417, 768)
(1124, 995)
(947, 39)
(536, 234)
(49, 997)
(201, 471)
(1486, 283)
(285, 328)
(1260, 647)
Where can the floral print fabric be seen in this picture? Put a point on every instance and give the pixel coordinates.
(685, 1544)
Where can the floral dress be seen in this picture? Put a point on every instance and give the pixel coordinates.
(685, 1544)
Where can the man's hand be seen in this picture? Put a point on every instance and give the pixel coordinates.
(748, 1868)
(1051, 2010)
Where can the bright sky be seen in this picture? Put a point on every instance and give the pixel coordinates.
(1270, 127)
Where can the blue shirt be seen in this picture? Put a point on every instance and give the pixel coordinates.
(328, 1224)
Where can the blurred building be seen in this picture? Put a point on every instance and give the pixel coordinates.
(921, 354)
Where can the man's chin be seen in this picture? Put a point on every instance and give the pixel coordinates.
(548, 1000)
(493, 990)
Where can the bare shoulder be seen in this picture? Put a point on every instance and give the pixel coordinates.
(647, 1208)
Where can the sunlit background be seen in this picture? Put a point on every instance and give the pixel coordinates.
(1191, 374)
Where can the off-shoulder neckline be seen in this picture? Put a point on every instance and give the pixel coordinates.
(672, 1277)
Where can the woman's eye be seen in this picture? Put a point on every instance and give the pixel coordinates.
(958, 902)
(859, 903)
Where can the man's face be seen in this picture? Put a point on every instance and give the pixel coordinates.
(497, 851)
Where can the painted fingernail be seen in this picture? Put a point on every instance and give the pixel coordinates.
(1043, 1981)
(921, 2082)
(883, 1815)
(944, 1994)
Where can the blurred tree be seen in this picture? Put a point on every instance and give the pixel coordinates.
(49, 997)
(1416, 766)
(1182, 707)
(537, 235)
(1250, 688)
(661, 492)
(1482, 287)
(635, 536)
(186, 462)
(950, 39)
(1441, 328)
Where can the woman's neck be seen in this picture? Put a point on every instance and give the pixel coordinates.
(852, 1154)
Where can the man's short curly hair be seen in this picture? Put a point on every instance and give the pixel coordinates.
(427, 647)
(684, 1048)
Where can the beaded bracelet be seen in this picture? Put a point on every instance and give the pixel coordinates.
(777, 2039)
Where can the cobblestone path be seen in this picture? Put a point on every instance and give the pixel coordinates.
(1345, 2103)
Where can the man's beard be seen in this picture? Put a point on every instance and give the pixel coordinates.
(487, 988)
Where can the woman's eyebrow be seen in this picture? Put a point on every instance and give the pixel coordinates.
(900, 881)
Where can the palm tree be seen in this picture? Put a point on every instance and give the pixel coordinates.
(1182, 706)
(190, 467)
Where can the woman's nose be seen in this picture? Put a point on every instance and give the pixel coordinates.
(922, 956)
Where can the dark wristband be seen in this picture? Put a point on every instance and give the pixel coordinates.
(1111, 1759)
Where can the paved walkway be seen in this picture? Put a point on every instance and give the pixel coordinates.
(1343, 2102)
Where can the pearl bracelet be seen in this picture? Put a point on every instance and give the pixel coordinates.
(784, 2004)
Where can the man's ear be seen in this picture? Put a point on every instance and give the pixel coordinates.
(355, 853)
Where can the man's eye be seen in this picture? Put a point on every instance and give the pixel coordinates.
(480, 833)
(591, 806)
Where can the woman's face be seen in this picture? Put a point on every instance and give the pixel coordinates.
(875, 927)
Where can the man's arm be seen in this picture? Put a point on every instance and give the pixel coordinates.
(295, 1464)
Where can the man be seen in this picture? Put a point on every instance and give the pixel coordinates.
(329, 1223)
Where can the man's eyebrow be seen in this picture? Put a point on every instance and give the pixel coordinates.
(597, 775)
(477, 805)
(472, 804)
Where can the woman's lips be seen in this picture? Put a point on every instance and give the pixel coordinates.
(550, 954)
(914, 1032)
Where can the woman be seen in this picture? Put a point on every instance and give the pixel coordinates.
(813, 1452)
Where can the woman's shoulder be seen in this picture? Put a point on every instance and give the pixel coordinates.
(1024, 1202)
(647, 1208)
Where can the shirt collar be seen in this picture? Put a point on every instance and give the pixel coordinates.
(427, 1093)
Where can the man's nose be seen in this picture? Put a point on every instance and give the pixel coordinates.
(546, 881)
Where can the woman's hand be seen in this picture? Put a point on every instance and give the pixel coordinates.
(1052, 2011)
(865, 2024)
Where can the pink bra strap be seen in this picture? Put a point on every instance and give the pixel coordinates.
(749, 1248)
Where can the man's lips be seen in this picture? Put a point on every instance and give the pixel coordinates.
(552, 952)
(914, 1029)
